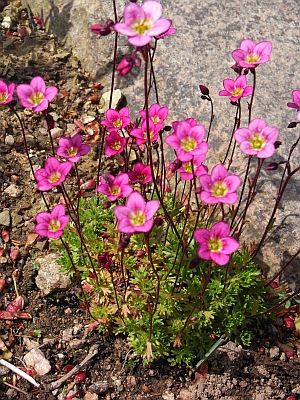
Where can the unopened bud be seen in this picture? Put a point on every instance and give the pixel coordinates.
(194, 262)
(292, 125)
(80, 376)
(204, 90)
(16, 305)
(140, 253)
(158, 221)
(277, 144)
(289, 323)
(274, 285)
(106, 205)
(5, 235)
(124, 242)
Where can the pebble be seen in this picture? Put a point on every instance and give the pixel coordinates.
(56, 132)
(13, 191)
(274, 353)
(116, 100)
(9, 140)
(100, 387)
(5, 217)
(36, 359)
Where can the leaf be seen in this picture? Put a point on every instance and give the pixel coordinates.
(31, 239)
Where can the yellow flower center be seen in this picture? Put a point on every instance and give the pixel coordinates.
(257, 141)
(137, 218)
(54, 225)
(36, 98)
(72, 151)
(155, 119)
(219, 189)
(215, 244)
(141, 177)
(151, 134)
(54, 177)
(117, 123)
(188, 167)
(116, 145)
(188, 144)
(252, 58)
(3, 97)
(237, 92)
(141, 26)
(114, 190)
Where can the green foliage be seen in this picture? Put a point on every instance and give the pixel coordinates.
(158, 306)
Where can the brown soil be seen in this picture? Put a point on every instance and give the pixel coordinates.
(262, 372)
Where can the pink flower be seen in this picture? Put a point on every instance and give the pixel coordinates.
(170, 31)
(141, 133)
(143, 22)
(236, 89)
(127, 63)
(114, 187)
(219, 187)
(116, 120)
(156, 113)
(190, 121)
(216, 244)
(250, 55)
(72, 148)
(6, 92)
(187, 168)
(114, 144)
(296, 100)
(51, 225)
(187, 141)
(258, 139)
(137, 215)
(53, 174)
(141, 173)
(36, 95)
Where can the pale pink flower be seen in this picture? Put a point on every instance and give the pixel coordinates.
(216, 244)
(235, 89)
(143, 22)
(250, 54)
(136, 215)
(258, 139)
(296, 100)
(6, 92)
(156, 113)
(190, 121)
(114, 187)
(116, 120)
(72, 148)
(192, 168)
(170, 31)
(53, 174)
(36, 95)
(220, 186)
(141, 173)
(114, 144)
(51, 225)
(187, 141)
(141, 133)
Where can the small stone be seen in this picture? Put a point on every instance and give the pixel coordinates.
(56, 132)
(87, 119)
(36, 359)
(167, 395)
(16, 219)
(63, 55)
(274, 353)
(116, 100)
(100, 387)
(90, 396)
(9, 140)
(5, 217)
(50, 279)
(13, 191)
(3, 260)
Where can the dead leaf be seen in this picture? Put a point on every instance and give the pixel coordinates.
(31, 239)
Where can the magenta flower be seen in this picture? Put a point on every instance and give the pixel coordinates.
(143, 22)
(36, 95)
(250, 55)
(116, 120)
(170, 31)
(192, 168)
(136, 215)
(187, 141)
(53, 174)
(51, 225)
(141, 133)
(141, 173)
(156, 113)
(219, 187)
(258, 139)
(127, 63)
(190, 121)
(296, 100)
(114, 187)
(6, 92)
(114, 144)
(216, 244)
(72, 148)
(236, 89)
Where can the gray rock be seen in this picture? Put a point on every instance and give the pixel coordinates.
(50, 279)
(13, 191)
(5, 217)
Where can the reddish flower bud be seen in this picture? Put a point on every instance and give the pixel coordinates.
(289, 323)
(204, 90)
(5, 235)
(277, 144)
(90, 184)
(124, 242)
(2, 283)
(102, 30)
(80, 376)
(274, 285)
(158, 221)
(106, 205)
(16, 305)
(140, 253)
(292, 125)
(272, 166)
(14, 254)
(175, 165)
(104, 260)
(194, 262)
(125, 66)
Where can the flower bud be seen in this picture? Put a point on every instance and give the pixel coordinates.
(16, 305)
(277, 144)
(289, 323)
(80, 376)
(90, 184)
(124, 242)
(292, 125)
(106, 205)
(125, 66)
(5, 235)
(104, 260)
(274, 285)
(158, 221)
(194, 262)
(140, 253)
(204, 90)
